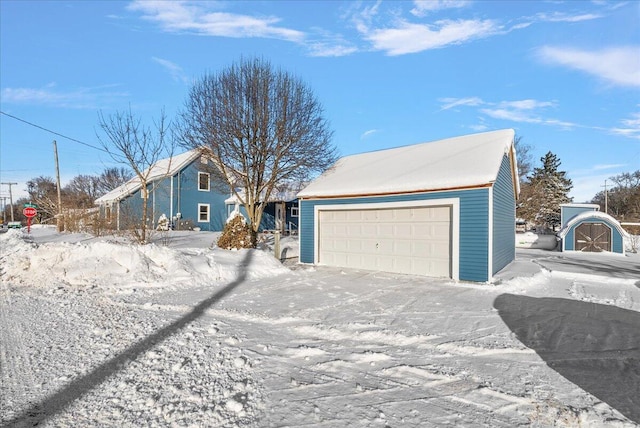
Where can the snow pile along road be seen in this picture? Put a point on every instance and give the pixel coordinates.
(125, 267)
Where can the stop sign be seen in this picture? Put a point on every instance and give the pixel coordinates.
(29, 212)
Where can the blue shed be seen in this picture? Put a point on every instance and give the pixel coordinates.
(586, 229)
(444, 209)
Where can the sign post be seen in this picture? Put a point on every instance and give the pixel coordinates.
(29, 212)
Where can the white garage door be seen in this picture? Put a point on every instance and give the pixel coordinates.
(414, 240)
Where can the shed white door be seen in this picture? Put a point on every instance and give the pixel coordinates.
(412, 240)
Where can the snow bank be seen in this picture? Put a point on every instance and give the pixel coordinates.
(532, 240)
(86, 264)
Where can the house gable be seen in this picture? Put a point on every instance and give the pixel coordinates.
(177, 191)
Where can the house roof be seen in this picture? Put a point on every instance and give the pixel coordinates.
(163, 168)
(276, 196)
(452, 163)
(592, 214)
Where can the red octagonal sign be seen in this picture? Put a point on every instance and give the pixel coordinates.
(29, 212)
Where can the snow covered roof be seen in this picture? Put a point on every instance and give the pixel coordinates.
(276, 196)
(163, 168)
(591, 214)
(459, 162)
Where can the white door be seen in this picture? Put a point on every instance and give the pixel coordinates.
(412, 240)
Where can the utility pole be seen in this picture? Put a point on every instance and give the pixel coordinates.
(4, 206)
(606, 198)
(60, 222)
(10, 197)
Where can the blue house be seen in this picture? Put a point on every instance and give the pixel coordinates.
(280, 213)
(586, 229)
(444, 209)
(182, 188)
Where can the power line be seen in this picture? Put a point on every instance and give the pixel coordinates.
(55, 133)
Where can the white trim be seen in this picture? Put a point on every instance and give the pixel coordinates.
(171, 199)
(490, 237)
(208, 189)
(297, 209)
(584, 217)
(454, 203)
(208, 213)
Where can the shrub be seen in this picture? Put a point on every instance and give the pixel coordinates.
(236, 234)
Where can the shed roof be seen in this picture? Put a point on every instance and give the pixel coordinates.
(452, 163)
(163, 168)
(576, 219)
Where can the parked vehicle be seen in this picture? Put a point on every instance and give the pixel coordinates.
(14, 225)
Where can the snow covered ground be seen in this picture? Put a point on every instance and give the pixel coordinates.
(97, 332)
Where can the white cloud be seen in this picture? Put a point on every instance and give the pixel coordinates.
(608, 166)
(619, 65)
(369, 133)
(407, 37)
(81, 98)
(456, 102)
(513, 115)
(192, 17)
(563, 17)
(174, 70)
(526, 104)
(630, 127)
(423, 7)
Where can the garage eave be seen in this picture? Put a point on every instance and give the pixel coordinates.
(379, 194)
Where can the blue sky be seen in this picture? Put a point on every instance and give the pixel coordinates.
(564, 75)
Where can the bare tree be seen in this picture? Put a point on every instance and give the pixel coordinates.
(111, 178)
(81, 191)
(525, 159)
(43, 192)
(262, 127)
(139, 147)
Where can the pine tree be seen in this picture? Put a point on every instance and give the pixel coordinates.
(546, 190)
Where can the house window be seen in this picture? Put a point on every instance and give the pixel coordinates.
(203, 213)
(203, 181)
(294, 211)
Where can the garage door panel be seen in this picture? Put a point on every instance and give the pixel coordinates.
(403, 230)
(404, 240)
(402, 248)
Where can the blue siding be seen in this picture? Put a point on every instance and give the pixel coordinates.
(617, 241)
(568, 212)
(569, 240)
(188, 197)
(504, 217)
(474, 226)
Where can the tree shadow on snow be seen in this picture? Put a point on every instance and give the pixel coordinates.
(75, 390)
(596, 347)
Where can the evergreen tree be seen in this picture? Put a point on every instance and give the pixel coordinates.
(546, 190)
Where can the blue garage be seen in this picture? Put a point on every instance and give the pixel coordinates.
(444, 209)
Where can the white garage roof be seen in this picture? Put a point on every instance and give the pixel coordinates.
(459, 162)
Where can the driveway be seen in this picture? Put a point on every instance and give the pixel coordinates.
(530, 261)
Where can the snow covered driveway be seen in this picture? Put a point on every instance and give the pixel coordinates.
(155, 336)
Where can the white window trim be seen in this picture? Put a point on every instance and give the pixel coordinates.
(208, 213)
(295, 211)
(208, 189)
(454, 203)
